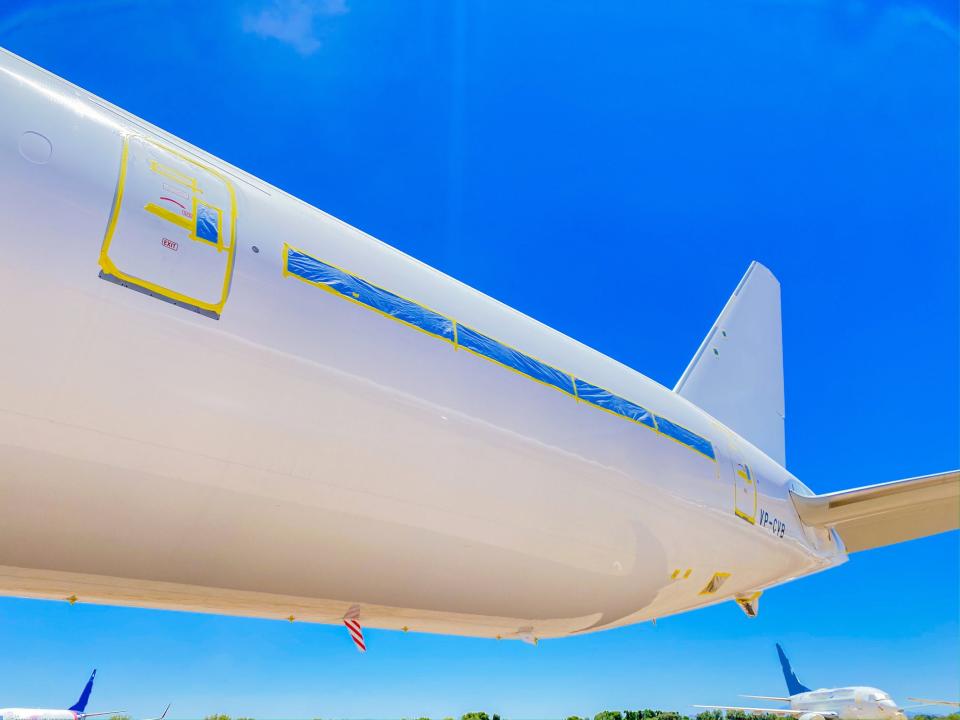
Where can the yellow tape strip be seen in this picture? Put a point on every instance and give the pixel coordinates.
(110, 268)
(170, 216)
(327, 288)
(518, 372)
(457, 346)
(715, 583)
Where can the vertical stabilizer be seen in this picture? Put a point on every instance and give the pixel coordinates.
(794, 686)
(737, 374)
(81, 705)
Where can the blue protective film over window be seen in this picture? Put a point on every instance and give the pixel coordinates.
(614, 403)
(208, 219)
(513, 359)
(688, 438)
(312, 270)
(339, 282)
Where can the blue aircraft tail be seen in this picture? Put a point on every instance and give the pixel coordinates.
(794, 686)
(81, 704)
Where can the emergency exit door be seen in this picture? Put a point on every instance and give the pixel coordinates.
(172, 231)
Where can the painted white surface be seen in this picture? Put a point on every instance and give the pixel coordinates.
(737, 374)
(849, 703)
(846, 703)
(76, 711)
(147, 246)
(302, 454)
(37, 714)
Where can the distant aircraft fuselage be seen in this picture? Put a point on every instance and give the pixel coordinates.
(848, 703)
(77, 711)
(36, 714)
(214, 397)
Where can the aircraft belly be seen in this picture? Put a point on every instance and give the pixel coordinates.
(270, 474)
(162, 455)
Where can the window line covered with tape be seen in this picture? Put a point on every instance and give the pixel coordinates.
(301, 266)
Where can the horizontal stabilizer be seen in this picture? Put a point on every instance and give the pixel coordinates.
(163, 715)
(878, 515)
(923, 702)
(737, 374)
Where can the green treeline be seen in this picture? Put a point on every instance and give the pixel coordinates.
(626, 715)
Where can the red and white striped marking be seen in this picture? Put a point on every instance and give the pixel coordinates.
(352, 621)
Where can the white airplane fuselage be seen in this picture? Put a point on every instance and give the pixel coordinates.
(38, 714)
(287, 452)
(849, 703)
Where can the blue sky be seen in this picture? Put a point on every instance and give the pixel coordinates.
(516, 146)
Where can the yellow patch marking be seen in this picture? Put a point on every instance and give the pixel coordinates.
(716, 581)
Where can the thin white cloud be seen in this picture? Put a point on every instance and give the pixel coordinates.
(925, 16)
(293, 21)
(36, 15)
(901, 12)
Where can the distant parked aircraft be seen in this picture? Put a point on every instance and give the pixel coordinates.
(77, 711)
(214, 397)
(846, 703)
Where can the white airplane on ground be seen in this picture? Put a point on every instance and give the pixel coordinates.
(77, 711)
(214, 397)
(846, 703)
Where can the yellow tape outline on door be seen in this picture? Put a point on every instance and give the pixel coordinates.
(108, 266)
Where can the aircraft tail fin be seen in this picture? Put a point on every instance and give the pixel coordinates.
(794, 686)
(81, 704)
(737, 374)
